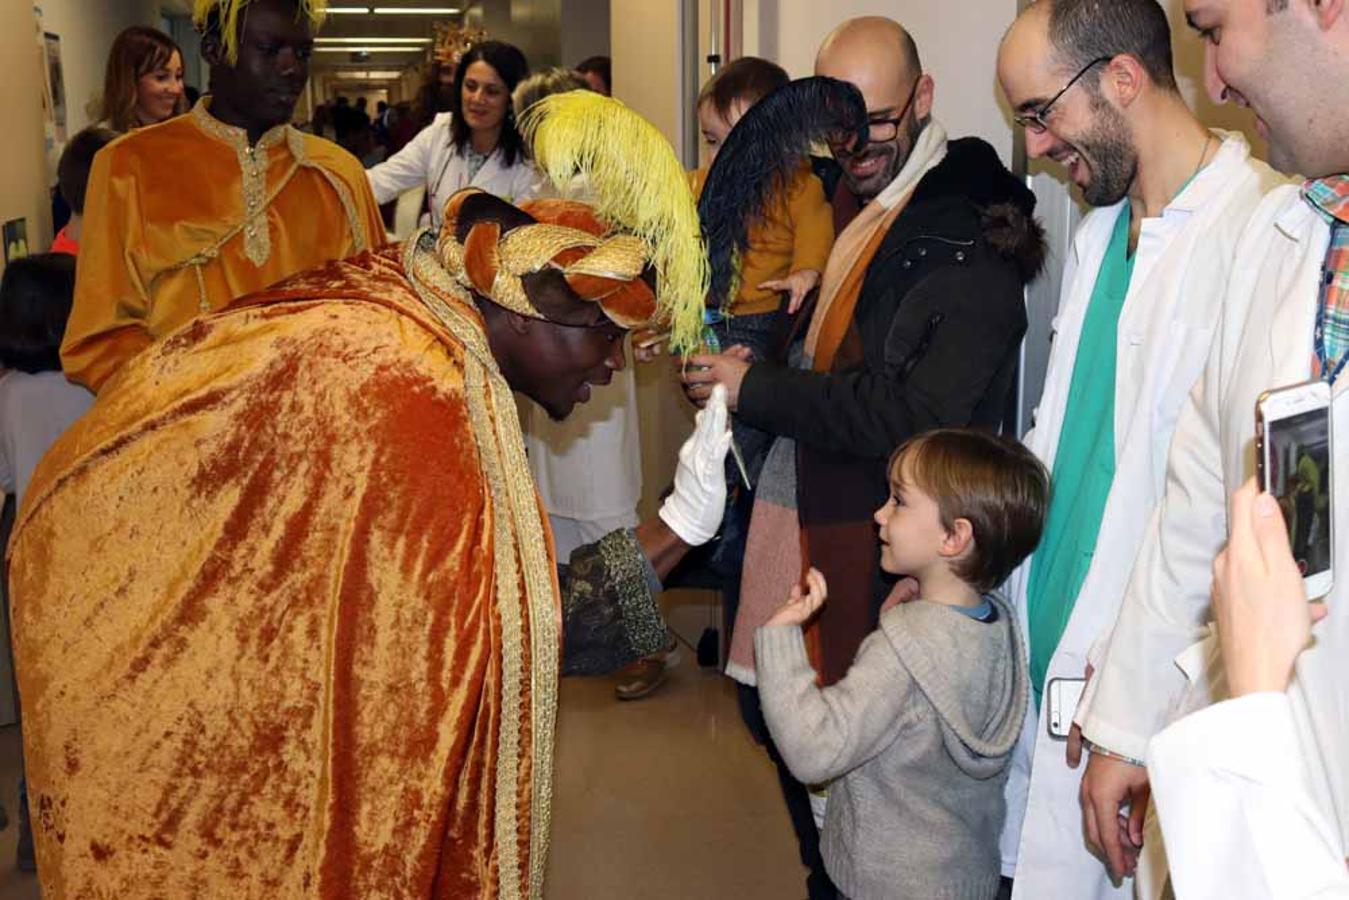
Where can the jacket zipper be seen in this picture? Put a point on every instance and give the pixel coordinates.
(911, 361)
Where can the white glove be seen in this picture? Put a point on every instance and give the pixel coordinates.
(695, 509)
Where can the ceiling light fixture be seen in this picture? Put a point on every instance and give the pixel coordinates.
(339, 77)
(417, 11)
(372, 40)
(350, 10)
(367, 49)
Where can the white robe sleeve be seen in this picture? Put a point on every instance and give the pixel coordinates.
(409, 167)
(1236, 812)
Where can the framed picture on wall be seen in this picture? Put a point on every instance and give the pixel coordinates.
(16, 239)
(55, 83)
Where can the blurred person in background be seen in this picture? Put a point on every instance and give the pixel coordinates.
(475, 144)
(72, 178)
(598, 73)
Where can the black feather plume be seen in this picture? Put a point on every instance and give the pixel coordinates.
(759, 158)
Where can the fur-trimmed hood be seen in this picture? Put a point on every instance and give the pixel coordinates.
(1007, 207)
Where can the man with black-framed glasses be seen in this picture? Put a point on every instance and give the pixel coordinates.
(917, 325)
(1092, 85)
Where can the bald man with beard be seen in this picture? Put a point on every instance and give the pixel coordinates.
(917, 324)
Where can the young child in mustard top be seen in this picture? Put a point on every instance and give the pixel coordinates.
(788, 250)
(784, 262)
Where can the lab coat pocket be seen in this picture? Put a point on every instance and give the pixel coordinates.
(1201, 663)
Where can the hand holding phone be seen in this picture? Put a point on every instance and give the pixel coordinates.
(1293, 451)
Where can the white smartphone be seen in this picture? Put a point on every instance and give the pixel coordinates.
(1064, 694)
(1293, 454)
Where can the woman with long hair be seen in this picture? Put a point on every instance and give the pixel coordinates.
(143, 84)
(474, 144)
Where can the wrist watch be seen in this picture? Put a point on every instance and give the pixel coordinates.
(1093, 747)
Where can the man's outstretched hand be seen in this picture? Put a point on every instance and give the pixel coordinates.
(702, 372)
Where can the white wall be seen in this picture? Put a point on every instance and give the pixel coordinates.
(531, 25)
(650, 75)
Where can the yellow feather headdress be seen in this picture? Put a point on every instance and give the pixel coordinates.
(230, 10)
(636, 185)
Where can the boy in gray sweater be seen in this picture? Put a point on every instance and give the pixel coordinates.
(917, 736)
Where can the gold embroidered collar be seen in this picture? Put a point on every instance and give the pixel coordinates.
(253, 171)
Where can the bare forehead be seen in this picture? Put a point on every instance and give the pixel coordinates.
(1027, 63)
(483, 72)
(882, 78)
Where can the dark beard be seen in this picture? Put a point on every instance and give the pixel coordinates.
(882, 179)
(1110, 153)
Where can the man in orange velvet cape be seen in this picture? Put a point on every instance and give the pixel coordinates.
(286, 617)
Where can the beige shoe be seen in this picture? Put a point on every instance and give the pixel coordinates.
(641, 678)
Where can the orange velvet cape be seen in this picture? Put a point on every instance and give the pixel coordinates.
(285, 611)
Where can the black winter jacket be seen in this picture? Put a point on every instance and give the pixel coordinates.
(940, 317)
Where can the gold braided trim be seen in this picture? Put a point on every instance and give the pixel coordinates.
(531, 248)
(509, 291)
(507, 577)
(520, 553)
(359, 239)
(544, 627)
(257, 234)
(622, 257)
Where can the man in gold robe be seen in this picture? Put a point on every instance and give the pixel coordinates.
(286, 613)
(184, 216)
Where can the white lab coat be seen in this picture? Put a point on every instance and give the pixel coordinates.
(1165, 328)
(429, 160)
(1161, 660)
(589, 466)
(1236, 806)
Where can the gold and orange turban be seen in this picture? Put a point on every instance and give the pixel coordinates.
(640, 217)
(567, 236)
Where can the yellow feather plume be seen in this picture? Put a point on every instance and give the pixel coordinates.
(636, 185)
(230, 10)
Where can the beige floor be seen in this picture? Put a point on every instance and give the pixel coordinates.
(666, 798)
(661, 799)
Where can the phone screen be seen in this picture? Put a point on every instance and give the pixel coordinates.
(1297, 473)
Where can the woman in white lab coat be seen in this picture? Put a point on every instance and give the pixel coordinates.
(1238, 813)
(475, 144)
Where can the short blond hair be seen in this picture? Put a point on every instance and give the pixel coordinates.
(545, 84)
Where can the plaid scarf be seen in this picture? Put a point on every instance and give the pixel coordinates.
(783, 537)
(1330, 198)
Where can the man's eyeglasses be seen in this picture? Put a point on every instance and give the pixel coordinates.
(883, 130)
(1037, 120)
